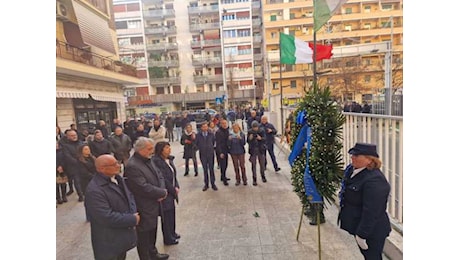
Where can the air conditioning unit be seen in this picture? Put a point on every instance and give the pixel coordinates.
(62, 12)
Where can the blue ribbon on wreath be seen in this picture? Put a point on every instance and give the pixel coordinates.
(304, 141)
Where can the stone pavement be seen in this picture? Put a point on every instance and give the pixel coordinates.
(221, 224)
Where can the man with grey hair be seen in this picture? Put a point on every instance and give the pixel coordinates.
(147, 184)
(270, 133)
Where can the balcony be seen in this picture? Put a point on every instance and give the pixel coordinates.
(127, 15)
(159, 14)
(208, 61)
(205, 43)
(165, 81)
(258, 57)
(131, 31)
(171, 30)
(237, 23)
(175, 98)
(257, 22)
(199, 10)
(206, 79)
(84, 63)
(241, 94)
(236, 40)
(155, 2)
(162, 46)
(204, 26)
(232, 4)
(164, 63)
(257, 39)
(255, 5)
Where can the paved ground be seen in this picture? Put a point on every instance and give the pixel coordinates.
(221, 225)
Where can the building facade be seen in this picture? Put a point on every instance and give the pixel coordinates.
(354, 77)
(90, 78)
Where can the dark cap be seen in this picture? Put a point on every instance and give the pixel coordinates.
(255, 124)
(364, 149)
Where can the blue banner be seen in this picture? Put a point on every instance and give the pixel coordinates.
(303, 138)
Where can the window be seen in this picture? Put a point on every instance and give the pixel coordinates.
(274, 35)
(230, 33)
(123, 41)
(293, 84)
(121, 25)
(348, 10)
(160, 90)
(367, 9)
(348, 28)
(292, 16)
(244, 33)
(367, 78)
(231, 51)
(276, 85)
(367, 26)
(273, 17)
(387, 7)
(228, 17)
(134, 24)
(386, 24)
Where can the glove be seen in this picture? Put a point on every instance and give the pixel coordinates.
(361, 242)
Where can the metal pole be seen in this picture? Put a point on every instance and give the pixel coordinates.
(281, 96)
(300, 222)
(314, 58)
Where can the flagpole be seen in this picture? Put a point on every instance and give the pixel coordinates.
(281, 94)
(314, 58)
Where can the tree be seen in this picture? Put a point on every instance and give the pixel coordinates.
(325, 158)
(396, 72)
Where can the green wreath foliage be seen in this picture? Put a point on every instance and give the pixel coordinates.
(326, 165)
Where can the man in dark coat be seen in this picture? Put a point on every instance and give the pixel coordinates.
(270, 133)
(122, 144)
(257, 151)
(169, 124)
(147, 183)
(69, 146)
(111, 210)
(103, 127)
(99, 145)
(222, 150)
(205, 142)
(253, 117)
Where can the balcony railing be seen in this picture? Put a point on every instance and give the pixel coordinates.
(165, 81)
(205, 43)
(196, 61)
(69, 52)
(203, 26)
(204, 79)
(159, 14)
(203, 9)
(163, 63)
(161, 30)
(175, 98)
(162, 46)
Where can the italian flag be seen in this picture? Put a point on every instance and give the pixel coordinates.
(295, 51)
(323, 11)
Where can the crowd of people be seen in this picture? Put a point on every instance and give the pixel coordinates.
(125, 209)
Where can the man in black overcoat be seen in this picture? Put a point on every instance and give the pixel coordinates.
(222, 149)
(146, 182)
(111, 210)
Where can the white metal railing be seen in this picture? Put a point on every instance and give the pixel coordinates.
(387, 133)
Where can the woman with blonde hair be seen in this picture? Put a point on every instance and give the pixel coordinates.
(363, 201)
(236, 143)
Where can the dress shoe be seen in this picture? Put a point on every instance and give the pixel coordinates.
(186, 174)
(196, 174)
(69, 192)
(205, 188)
(80, 199)
(227, 179)
(59, 201)
(245, 183)
(177, 236)
(254, 183)
(214, 187)
(278, 169)
(64, 199)
(161, 256)
(174, 242)
(237, 183)
(225, 183)
(263, 179)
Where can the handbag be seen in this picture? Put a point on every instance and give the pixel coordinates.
(61, 179)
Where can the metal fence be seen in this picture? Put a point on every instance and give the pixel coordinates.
(387, 133)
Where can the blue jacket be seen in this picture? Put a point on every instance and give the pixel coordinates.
(235, 145)
(111, 211)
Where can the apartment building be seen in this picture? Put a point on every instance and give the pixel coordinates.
(355, 77)
(130, 38)
(90, 77)
(185, 59)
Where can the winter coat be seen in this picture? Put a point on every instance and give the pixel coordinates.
(235, 145)
(256, 146)
(364, 204)
(69, 151)
(158, 135)
(270, 137)
(222, 141)
(170, 177)
(169, 123)
(190, 146)
(147, 185)
(110, 209)
(101, 147)
(121, 145)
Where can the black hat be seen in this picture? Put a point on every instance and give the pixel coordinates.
(364, 149)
